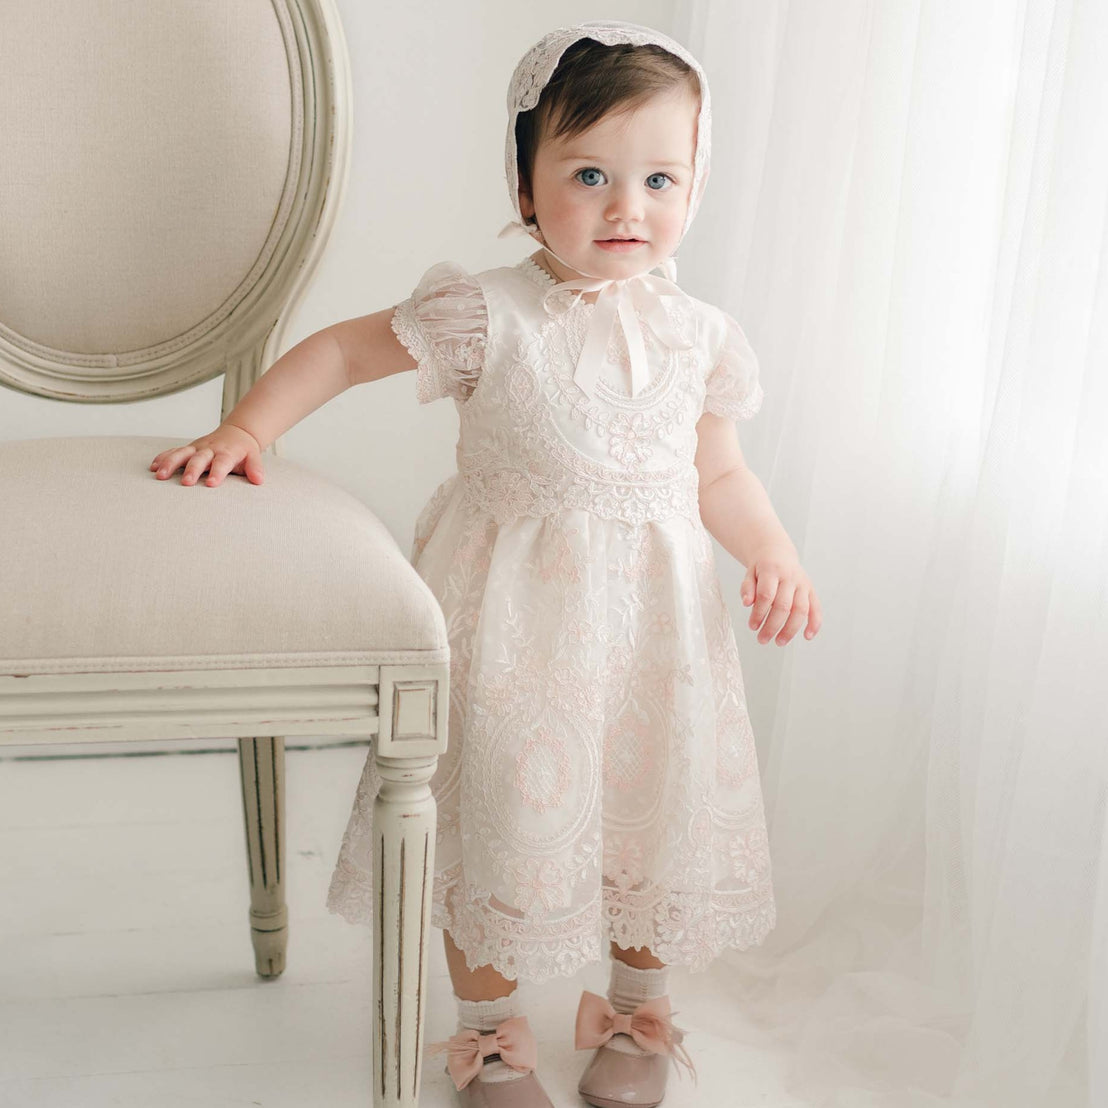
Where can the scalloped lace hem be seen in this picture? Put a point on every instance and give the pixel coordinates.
(687, 929)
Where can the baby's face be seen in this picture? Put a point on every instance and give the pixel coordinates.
(629, 176)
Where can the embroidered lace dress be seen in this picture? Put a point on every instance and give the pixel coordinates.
(600, 780)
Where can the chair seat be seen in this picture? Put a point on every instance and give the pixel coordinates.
(95, 550)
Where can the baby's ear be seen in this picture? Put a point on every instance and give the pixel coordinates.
(526, 207)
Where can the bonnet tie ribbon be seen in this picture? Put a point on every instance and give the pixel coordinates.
(513, 1040)
(649, 1025)
(617, 300)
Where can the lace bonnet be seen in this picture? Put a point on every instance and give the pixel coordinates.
(537, 66)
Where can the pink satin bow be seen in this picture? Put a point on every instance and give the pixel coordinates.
(617, 300)
(513, 1040)
(649, 1025)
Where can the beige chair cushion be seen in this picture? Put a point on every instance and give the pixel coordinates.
(102, 563)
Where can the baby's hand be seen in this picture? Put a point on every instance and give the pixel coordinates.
(781, 594)
(228, 449)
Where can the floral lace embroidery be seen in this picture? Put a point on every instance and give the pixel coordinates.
(688, 885)
(526, 466)
(732, 388)
(444, 326)
(609, 785)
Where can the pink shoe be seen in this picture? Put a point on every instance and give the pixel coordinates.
(514, 1043)
(613, 1079)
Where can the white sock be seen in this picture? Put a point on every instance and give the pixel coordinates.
(486, 1016)
(627, 989)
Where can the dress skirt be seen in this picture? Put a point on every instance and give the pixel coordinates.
(600, 779)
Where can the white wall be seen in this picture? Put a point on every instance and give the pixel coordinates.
(426, 184)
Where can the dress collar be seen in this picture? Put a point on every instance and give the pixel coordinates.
(530, 268)
(619, 303)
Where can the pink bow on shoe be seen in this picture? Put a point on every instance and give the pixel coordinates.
(513, 1040)
(649, 1025)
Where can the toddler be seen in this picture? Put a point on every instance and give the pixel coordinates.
(600, 780)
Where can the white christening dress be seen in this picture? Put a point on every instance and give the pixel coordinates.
(600, 780)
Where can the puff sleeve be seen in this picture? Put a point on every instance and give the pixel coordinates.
(733, 389)
(444, 326)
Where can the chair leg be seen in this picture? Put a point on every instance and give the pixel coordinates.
(412, 715)
(262, 768)
(403, 861)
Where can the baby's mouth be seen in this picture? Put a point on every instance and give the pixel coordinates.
(619, 245)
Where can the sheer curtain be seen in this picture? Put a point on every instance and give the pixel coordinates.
(908, 215)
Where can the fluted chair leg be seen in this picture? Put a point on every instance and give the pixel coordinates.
(262, 767)
(403, 864)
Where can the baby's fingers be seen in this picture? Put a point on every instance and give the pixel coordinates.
(196, 465)
(815, 617)
(222, 464)
(168, 461)
(764, 592)
(797, 616)
(252, 467)
(228, 461)
(779, 611)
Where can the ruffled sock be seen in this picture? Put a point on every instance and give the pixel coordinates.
(628, 988)
(486, 1016)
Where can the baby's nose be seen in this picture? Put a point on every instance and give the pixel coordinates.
(625, 204)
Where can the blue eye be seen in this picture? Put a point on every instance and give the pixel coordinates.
(591, 176)
(592, 181)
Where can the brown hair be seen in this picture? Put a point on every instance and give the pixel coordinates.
(590, 81)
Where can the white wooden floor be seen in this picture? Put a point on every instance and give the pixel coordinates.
(126, 973)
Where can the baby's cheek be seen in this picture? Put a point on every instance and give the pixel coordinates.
(561, 220)
(673, 223)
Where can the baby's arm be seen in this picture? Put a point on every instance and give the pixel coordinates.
(302, 379)
(737, 512)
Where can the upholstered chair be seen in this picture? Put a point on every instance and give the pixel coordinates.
(170, 174)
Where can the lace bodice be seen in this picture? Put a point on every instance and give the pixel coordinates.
(530, 440)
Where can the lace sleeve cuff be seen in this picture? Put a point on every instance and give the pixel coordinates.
(733, 389)
(444, 326)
